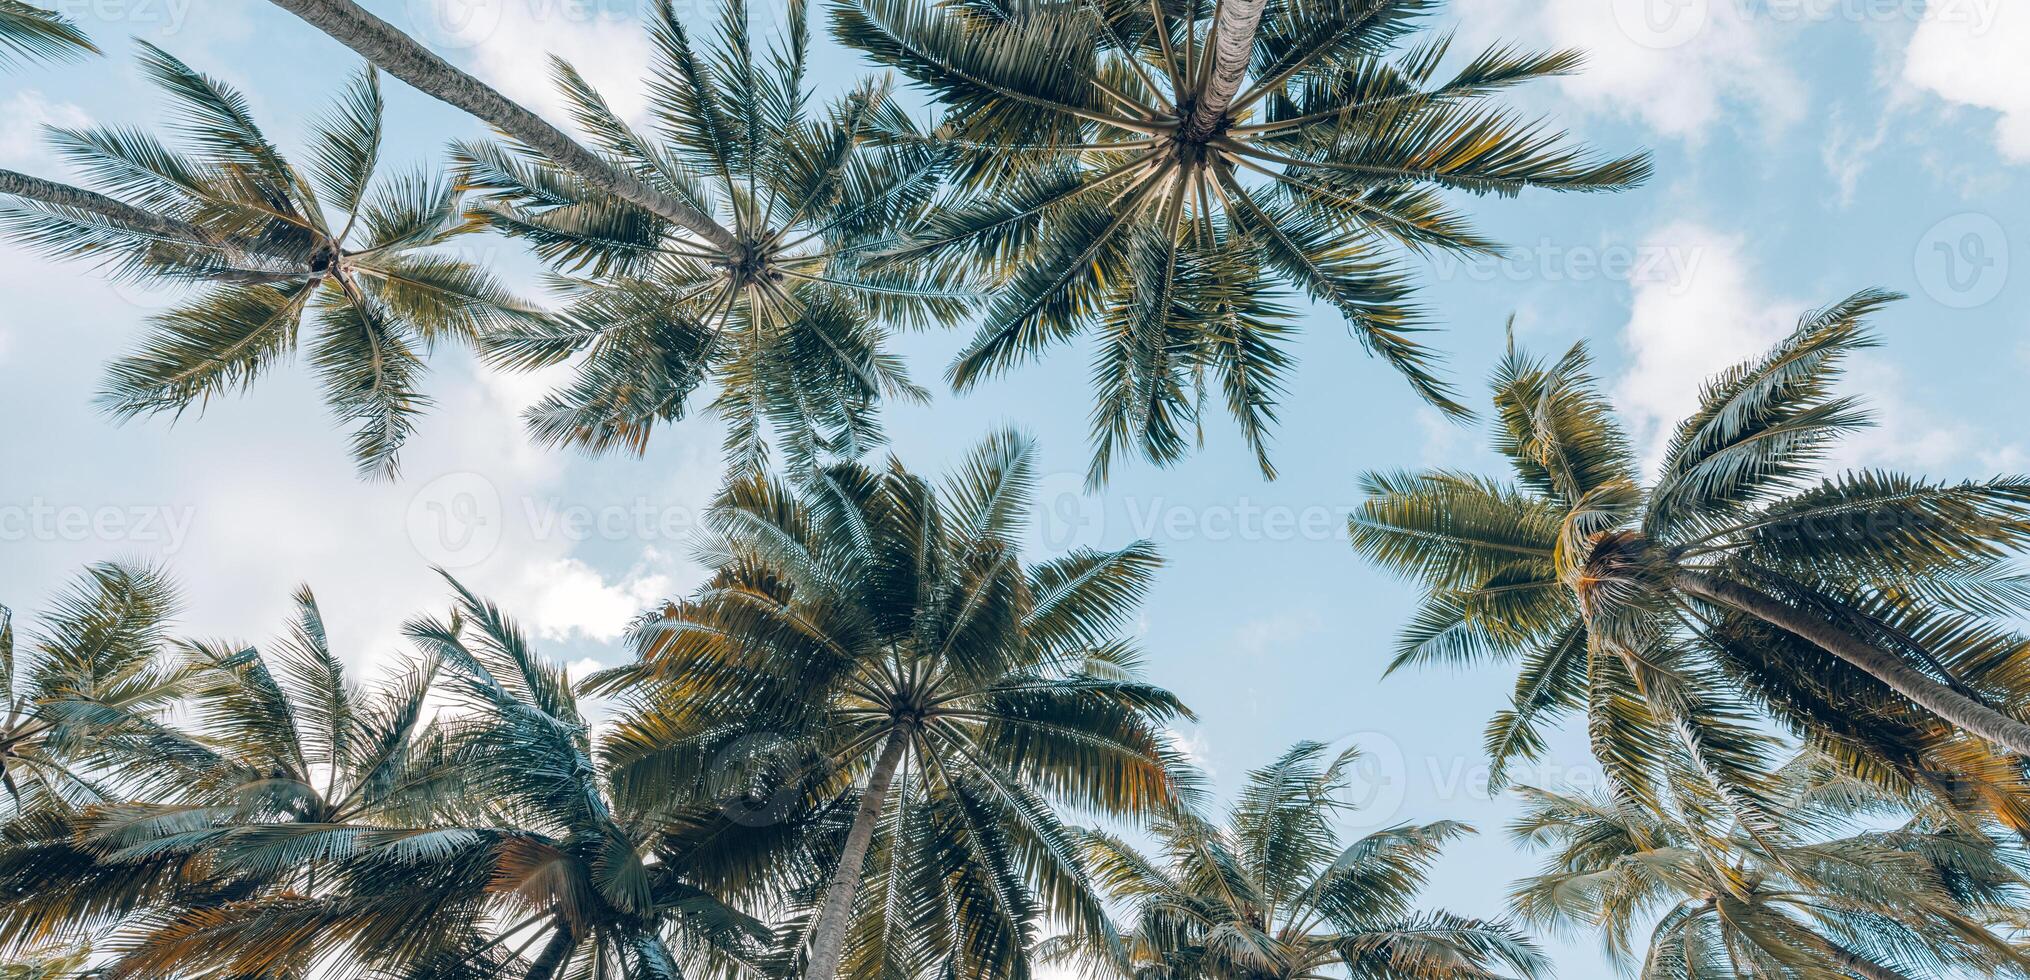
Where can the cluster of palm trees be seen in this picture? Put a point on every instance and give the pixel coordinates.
(870, 744)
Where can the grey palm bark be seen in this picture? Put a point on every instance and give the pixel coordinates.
(1934, 696)
(1233, 43)
(401, 56)
(150, 224)
(554, 953)
(828, 933)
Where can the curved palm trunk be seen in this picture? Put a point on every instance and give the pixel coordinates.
(828, 933)
(1232, 40)
(554, 953)
(401, 56)
(1886, 667)
(153, 225)
(78, 199)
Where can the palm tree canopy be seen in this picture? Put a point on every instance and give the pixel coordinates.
(1866, 612)
(30, 33)
(304, 821)
(269, 244)
(1148, 171)
(1277, 891)
(1920, 899)
(939, 695)
(784, 317)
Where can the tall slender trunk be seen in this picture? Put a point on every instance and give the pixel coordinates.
(1232, 41)
(117, 211)
(401, 56)
(145, 222)
(554, 953)
(1890, 669)
(828, 933)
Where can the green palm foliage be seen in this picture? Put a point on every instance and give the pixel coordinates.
(89, 682)
(782, 315)
(1865, 612)
(310, 823)
(269, 245)
(1921, 899)
(1146, 171)
(1279, 892)
(33, 34)
(939, 697)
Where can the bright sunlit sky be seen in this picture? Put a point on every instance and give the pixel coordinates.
(1804, 149)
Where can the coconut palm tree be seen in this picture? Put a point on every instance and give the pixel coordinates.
(1866, 611)
(1278, 893)
(1917, 901)
(1146, 171)
(271, 245)
(783, 317)
(93, 679)
(316, 824)
(285, 769)
(921, 683)
(34, 34)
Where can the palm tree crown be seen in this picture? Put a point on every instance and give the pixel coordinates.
(1864, 611)
(1149, 169)
(780, 311)
(269, 243)
(1923, 899)
(942, 694)
(1277, 893)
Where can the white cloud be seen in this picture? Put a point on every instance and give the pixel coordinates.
(22, 119)
(1679, 66)
(1972, 52)
(508, 43)
(1681, 332)
(1685, 327)
(566, 596)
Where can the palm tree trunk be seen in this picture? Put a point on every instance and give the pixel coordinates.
(1232, 40)
(401, 56)
(144, 222)
(828, 933)
(554, 953)
(119, 212)
(1932, 695)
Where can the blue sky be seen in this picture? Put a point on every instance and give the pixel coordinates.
(1804, 149)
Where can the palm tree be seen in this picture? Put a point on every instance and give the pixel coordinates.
(1917, 901)
(943, 698)
(93, 679)
(1864, 611)
(269, 243)
(783, 316)
(31, 33)
(1277, 893)
(1145, 170)
(313, 823)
